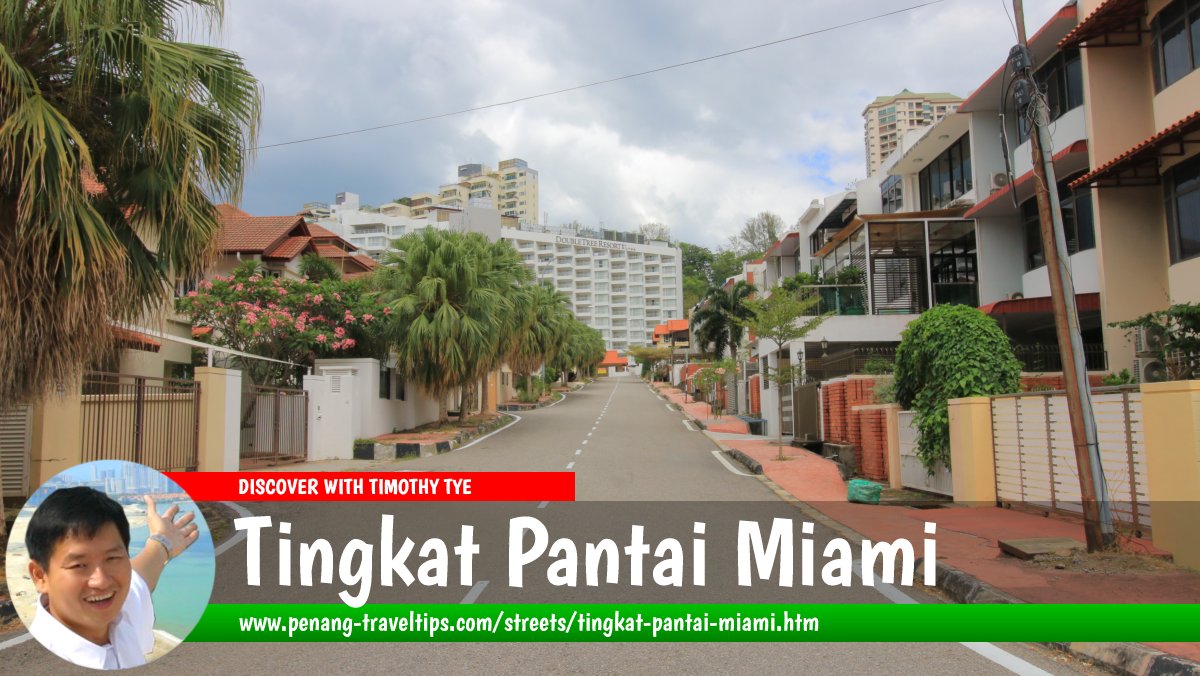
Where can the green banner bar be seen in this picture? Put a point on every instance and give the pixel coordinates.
(698, 622)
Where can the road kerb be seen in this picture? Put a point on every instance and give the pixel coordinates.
(1132, 659)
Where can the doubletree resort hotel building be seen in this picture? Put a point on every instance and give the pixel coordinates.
(618, 282)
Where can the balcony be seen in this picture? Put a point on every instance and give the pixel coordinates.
(839, 299)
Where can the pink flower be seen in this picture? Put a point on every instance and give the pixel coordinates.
(387, 310)
(349, 318)
(318, 298)
(367, 318)
(206, 285)
(251, 319)
(300, 325)
(337, 296)
(348, 343)
(239, 287)
(321, 338)
(274, 322)
(255, 278)
(282, 291)
(339, 332)
(192, 294)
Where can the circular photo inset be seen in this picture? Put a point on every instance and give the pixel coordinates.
(110, 564)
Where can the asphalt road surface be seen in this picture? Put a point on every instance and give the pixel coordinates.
(636, 461)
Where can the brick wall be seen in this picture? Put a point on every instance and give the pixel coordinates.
(837, 398)
(754, 392)
(872, 443)
(1054, 381)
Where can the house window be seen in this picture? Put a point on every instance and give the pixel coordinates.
(1061, 79)
(1181, 187)
(892, 195)
(1077, 224)
(385, 383)
(947, 177)
(1175, 42)
(400, 390)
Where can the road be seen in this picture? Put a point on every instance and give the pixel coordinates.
(636, 461)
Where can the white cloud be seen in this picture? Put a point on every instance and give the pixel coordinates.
(700, 148)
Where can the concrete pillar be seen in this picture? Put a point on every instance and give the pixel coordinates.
(56, 440)
(1171, 418)
(892, 425)
(220, 419)
(972, 455)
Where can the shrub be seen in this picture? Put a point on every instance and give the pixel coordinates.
(950, 351)
(1114, 379)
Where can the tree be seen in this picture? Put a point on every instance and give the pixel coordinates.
(1178, 349)
(583, 349)
(544, 333)
(285, 320)
(727, 263)
(650, 357)
(757, 234)
(318, 268)
(697, 262)
(950, 351)
(655, 232)
(719, 322)
(115, 136)
(456, 308)
(777, 319)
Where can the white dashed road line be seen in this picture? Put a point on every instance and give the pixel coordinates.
(570, 465)
(474, 593)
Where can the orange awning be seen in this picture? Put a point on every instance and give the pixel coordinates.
(1139, 165)
(1084, 302)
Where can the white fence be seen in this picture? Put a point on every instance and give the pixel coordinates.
(912, 473)
(1035, 456)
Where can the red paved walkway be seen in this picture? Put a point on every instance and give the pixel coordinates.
(702, 412)
(967, 539)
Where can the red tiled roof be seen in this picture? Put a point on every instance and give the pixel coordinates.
(227, 210)
(1067, 12)
(660, 330)
(332, 251)
(1144, 152)
(1111, 16)
(135, 340)
(319, 232)
(1076, 147)
(255, 234)
(674, 325)
(611, 358)
(288, 248)
(1042, 304)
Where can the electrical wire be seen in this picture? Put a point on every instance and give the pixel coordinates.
(1012, 23)
(599, 82)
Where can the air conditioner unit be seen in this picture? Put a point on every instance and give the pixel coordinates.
(1147, 370)
(1000, 180)
(1148, 342)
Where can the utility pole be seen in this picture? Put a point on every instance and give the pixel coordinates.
(1097, 512)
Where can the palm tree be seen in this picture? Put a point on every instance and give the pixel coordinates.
(454, 305)
(115, 140)
(582, 349)
(540, 341)
(719, 323)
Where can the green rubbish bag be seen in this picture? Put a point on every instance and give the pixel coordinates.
(863, 491)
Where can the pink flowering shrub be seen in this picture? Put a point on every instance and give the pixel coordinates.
(288, 320)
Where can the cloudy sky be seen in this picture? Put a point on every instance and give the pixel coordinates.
(700, 148)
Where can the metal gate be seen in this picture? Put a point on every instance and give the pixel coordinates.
(152, 421)
(15, 432)
(806, 405)
(274, 425)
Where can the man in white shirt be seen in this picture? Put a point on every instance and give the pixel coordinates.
(94, 607)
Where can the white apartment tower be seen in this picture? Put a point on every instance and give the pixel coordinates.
(888, 118)
(511, 189)
(618, 283)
